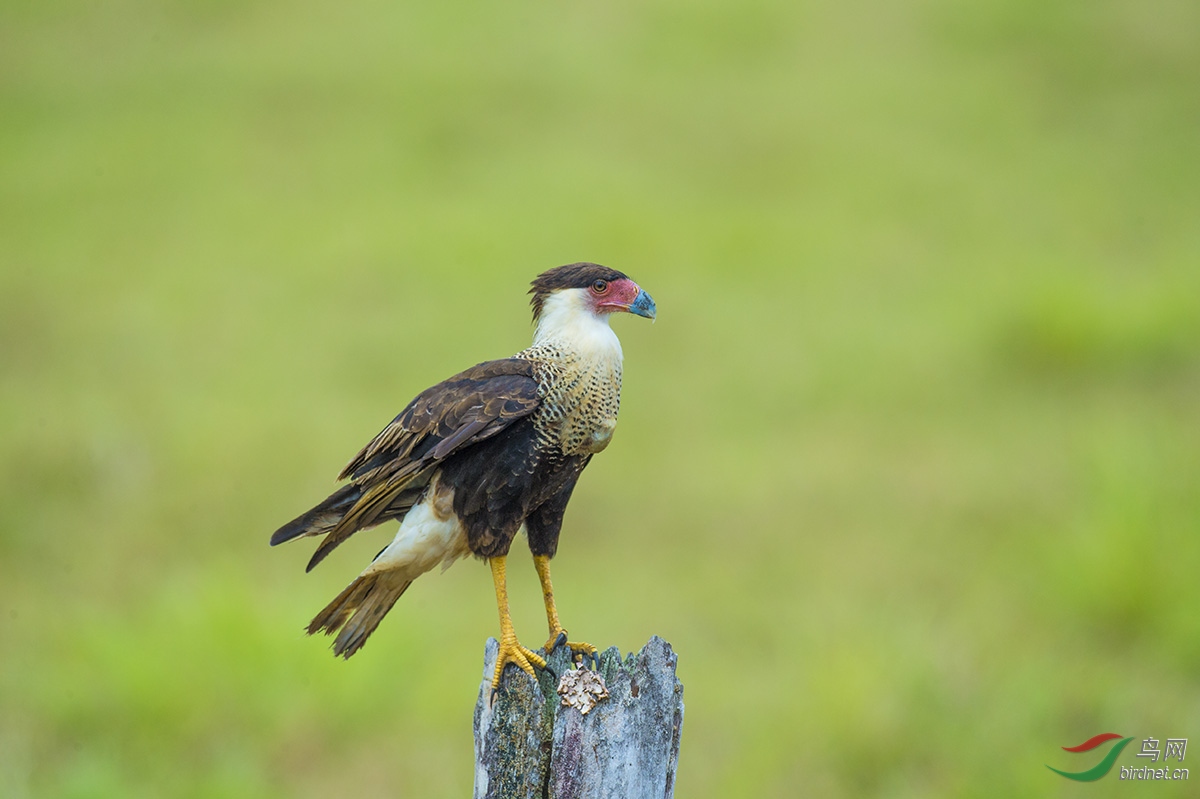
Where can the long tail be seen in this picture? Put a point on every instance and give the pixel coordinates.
(358, 610)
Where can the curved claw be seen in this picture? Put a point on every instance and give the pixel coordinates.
(580, 652)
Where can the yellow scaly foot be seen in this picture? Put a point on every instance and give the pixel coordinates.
(511, 650)
(558, 636)
(581, 652)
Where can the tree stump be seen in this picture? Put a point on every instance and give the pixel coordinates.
(529, 745)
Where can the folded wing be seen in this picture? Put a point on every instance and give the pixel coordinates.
(443, 422)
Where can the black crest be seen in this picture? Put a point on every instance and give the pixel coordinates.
(571, 276)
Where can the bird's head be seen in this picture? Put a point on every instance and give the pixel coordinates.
(585, 289)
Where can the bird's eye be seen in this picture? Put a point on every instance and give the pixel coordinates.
(600, 286)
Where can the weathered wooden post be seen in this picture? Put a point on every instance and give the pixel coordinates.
(618, 737)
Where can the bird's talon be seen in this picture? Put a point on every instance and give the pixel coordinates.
(580, 653)
(512, 652)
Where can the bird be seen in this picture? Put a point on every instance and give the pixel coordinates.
(486, 454)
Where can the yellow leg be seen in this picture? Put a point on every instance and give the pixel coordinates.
(511, 650)
(558, 636)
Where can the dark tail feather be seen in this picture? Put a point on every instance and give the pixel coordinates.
(358, 610)
(399, 505)
(322, 518)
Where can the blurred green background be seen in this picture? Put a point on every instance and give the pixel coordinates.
(906, 470)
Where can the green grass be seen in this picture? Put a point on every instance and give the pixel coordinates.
(906, 471)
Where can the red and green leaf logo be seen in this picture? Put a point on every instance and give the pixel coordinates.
(1104, 766)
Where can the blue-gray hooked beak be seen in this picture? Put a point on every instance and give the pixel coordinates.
(643, 305)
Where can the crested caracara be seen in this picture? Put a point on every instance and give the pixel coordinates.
(478, 457)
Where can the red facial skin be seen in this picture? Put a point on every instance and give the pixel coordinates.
(616, 296)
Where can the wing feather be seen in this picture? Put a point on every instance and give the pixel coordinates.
(440, 422)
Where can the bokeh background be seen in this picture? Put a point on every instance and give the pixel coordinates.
(906, 470)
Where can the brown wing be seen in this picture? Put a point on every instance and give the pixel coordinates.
(443, 420)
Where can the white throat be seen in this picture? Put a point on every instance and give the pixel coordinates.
(567, 319)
